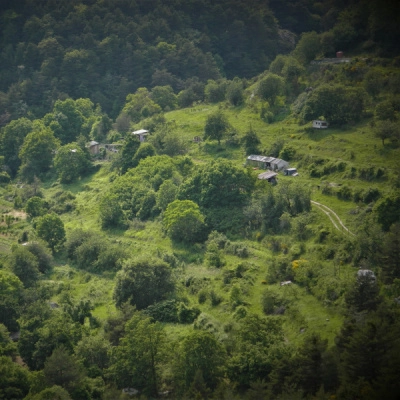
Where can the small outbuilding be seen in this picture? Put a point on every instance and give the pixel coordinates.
(366, 273)
(319, 124)
(277, 164)
(269, 176)
(141, 134)
(264, 162)
(290, 172)
(93, 147)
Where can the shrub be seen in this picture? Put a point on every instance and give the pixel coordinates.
(287, 153)
(272, 303)
(371, 195)
(4, 177)
(207, 323)
(183, 221)
(143, 282)
(279, 269)
(240, 312)
(344, 193)
(215, 298)
(214, 256)
(219, 238)
(164, 311)
(186, 315)
(237, 249)
(202, 296)
(63, 202)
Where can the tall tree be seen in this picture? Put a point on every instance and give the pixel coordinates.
(218, 184)
(251, 142)
(63, 369)
(216, 126)
(183, 221)
(70, 162)
(140, 355)
(129, 149)
(337, 103)
(37, 151)
(24, 265)
(143, 282)
(270, 87)
(50, 228)
(11, 289)
(11, 140)
(199, 351)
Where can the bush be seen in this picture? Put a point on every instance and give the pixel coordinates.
(272, 303)
(215, 298)
(202, 296)
(344, 193)
(143, 282)
(279, 269)
(238, 249)
(214, 257)
(219, 238)
(63, 202)
(4, 177)
(287, 153)
(371, 195)
(164, 311)
(186, 315)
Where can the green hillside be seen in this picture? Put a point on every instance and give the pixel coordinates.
(165, 267)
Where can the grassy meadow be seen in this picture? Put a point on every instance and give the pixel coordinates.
(353, 146)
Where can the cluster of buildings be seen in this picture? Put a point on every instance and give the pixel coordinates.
(272, 165)
(94, 147)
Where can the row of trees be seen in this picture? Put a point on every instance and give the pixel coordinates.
(48, 52)
(31, 147)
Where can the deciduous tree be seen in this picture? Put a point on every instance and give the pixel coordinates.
(183, 221)
(139, 357)
(142, 282)
(251, 142)
(11, 289)
(216, 126)
(70, 162)
(36, 207)
(24, 265)
(270, 87)
(37, 152)
(12, 138)
(50, 228)
(200, 351)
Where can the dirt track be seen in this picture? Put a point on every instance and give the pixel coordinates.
(335, 219)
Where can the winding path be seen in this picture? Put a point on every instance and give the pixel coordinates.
(335, 219)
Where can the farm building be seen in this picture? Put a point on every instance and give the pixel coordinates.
(141, 134)
(278, 164)
(93, 147)
(263, 162)
(366, 273)
(318, 124)
(269, 176)
(290, 172)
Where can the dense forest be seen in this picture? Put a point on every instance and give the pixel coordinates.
(142, 256)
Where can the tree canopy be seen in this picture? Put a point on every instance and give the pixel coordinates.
(143, 282)
(183, 221)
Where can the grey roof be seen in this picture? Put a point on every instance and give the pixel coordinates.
(93, 143)
(267, 175)
(141, 132)
(366, 272)
(271, 160)
(278, 161)
(253, 157)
